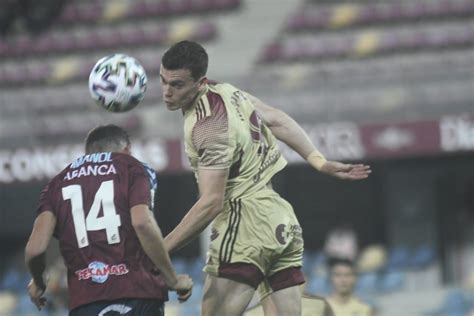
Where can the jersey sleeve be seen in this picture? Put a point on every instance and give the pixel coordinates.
(152, 181)
(213, 141)
(139, 187)
(45, 202)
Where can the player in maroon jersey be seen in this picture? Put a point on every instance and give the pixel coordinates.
(98, 208)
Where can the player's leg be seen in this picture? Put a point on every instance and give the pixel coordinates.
(269, 308)
(285, 275)
(286, 302)
(225, 297)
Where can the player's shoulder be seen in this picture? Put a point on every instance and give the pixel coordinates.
(57, 179)
(212, 105)
(132, 163)
(222, 92)
(224, 99)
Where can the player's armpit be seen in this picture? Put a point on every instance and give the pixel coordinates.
(269, 115)
(41, 234)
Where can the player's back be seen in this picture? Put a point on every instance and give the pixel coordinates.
(91, 200)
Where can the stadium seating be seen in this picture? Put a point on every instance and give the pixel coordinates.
(399, 258)
(391, 281)
(103, 27)
(317, 18)
(422, 257)
(137, 35)
(455, 304)
(114, 11)
(70, 68)
(367, 283)
(367, 43)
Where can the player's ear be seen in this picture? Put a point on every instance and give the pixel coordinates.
(202, 83)
(128, 149)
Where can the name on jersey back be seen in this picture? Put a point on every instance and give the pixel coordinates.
(102, 166)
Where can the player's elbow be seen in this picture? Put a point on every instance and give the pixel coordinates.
(214, 204)
(141, 224)
(140, 216)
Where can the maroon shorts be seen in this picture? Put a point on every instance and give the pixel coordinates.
(249, 274)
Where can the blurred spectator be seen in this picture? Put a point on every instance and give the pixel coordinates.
(343, 279)
(7, 303)
(372, 259)
(341, 243)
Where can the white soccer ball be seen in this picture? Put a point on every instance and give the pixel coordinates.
(117, 83)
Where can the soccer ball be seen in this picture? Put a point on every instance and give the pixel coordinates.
(117, 83)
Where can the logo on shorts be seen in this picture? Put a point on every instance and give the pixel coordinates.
(99, 272)
(214, 234)
(280, 234)
(294, 233)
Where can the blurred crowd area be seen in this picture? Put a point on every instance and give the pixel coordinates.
(370, 80)
(395, 281)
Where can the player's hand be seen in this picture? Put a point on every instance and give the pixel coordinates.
(346, 171)
(36, 294)
(183, 287)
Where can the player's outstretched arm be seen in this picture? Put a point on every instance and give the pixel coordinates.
(212, 184)
(291, 133)
(35, 251)
(151, 240)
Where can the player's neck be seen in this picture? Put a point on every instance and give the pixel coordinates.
(194, 100)
(342, 298)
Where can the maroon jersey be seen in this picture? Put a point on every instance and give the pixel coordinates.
(91, 200)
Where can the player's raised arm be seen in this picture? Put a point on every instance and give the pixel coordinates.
(151, 240)
(287, 130)
(35, 256)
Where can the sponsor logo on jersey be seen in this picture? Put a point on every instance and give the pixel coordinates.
(94, 158)
(99, 272)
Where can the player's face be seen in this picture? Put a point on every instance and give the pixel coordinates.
(179, 88)
(343, 279)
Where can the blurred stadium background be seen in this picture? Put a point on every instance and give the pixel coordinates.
(388, 82)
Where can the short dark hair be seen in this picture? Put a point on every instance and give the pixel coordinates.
(106, 138)
(186, 55)
(334, 261)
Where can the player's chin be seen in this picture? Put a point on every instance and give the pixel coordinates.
(172, 106)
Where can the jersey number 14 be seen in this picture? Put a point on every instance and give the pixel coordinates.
(110, 221)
